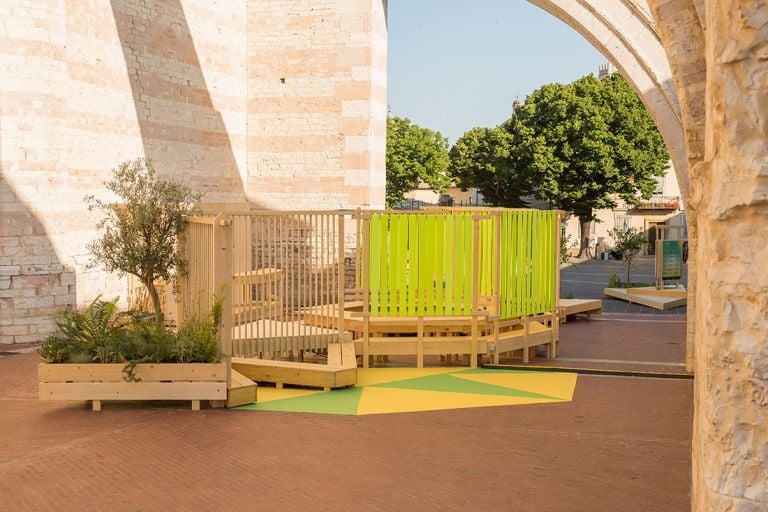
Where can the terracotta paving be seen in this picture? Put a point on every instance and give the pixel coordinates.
(623, 443)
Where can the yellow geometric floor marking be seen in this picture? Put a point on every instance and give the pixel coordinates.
(386, 400)
(559, 385)
(371, 376)
(267, 393)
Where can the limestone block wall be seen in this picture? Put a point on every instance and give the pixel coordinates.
(316, 103)
(87, 84)
(730, 453)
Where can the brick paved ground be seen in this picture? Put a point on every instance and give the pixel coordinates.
(622, 444)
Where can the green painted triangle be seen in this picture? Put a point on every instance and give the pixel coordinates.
(340, 401)
(447, 383)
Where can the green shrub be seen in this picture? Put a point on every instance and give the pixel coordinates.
(101, 334)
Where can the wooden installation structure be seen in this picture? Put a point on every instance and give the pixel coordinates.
(453, 282)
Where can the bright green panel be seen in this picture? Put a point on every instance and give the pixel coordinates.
(528, 274)
(413, 264)
(449, 261)
(439, 229)
(393, 258)
(425, 263)
(469, 228)
(374, 265)
(459, 280)
(384, 265)
(486, 260)
(519, 264)
(401, 267)
(537, 268)
(507, 260)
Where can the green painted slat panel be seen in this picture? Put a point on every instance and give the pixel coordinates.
(468, 250)
(506, 262)
(460, 282)
(536, 241)
(487, 256)
(431, 255)
(528, 262)
(450, 264)
(413, 264)
(384, 299)
(427, 276)
(374, 281)
(439, 264)
(401, 273)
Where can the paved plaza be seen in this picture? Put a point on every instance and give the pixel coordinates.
(622, 443)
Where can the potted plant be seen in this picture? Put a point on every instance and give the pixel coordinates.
(103, 354)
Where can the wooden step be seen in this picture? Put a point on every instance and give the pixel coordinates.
(241, 390)
(340, 372)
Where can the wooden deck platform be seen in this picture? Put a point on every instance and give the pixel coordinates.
(649, 296)
(341, 370)
(581, 306)
(275, 336)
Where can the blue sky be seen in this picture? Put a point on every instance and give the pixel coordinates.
(457, 64)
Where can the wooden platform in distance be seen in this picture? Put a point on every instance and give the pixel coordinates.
(646, 298)
(341, 370)
(581, 306)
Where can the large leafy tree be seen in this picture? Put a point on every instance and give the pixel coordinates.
(586, 144)
(414, 155)
(481, 158)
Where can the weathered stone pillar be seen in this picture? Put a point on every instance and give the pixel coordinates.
(730, 189)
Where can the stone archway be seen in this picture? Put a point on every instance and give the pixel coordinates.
(705, 62)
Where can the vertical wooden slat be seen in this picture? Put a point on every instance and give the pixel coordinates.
(340, 324)
(366, 229)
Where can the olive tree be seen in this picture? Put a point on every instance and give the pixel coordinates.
(141, 235)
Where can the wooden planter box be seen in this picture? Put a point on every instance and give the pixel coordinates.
(97, 382)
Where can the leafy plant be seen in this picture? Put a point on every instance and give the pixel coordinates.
(628, 241)
(90, 335)
(141, 236)
(101, 334)
(566, 242)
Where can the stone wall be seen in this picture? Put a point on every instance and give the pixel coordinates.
(316, 103)
(195, 86)
(731, 420)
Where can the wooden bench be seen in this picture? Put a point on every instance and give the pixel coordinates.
(341, 370)
(587, 307)
(523, 334)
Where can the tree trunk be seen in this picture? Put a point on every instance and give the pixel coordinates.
(584, 222)
(159, 320)
(629, 269)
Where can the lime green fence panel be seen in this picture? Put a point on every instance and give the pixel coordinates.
(421, 264)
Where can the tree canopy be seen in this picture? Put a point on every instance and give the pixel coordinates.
(587, 143)
(482, 158)
(414, 154)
